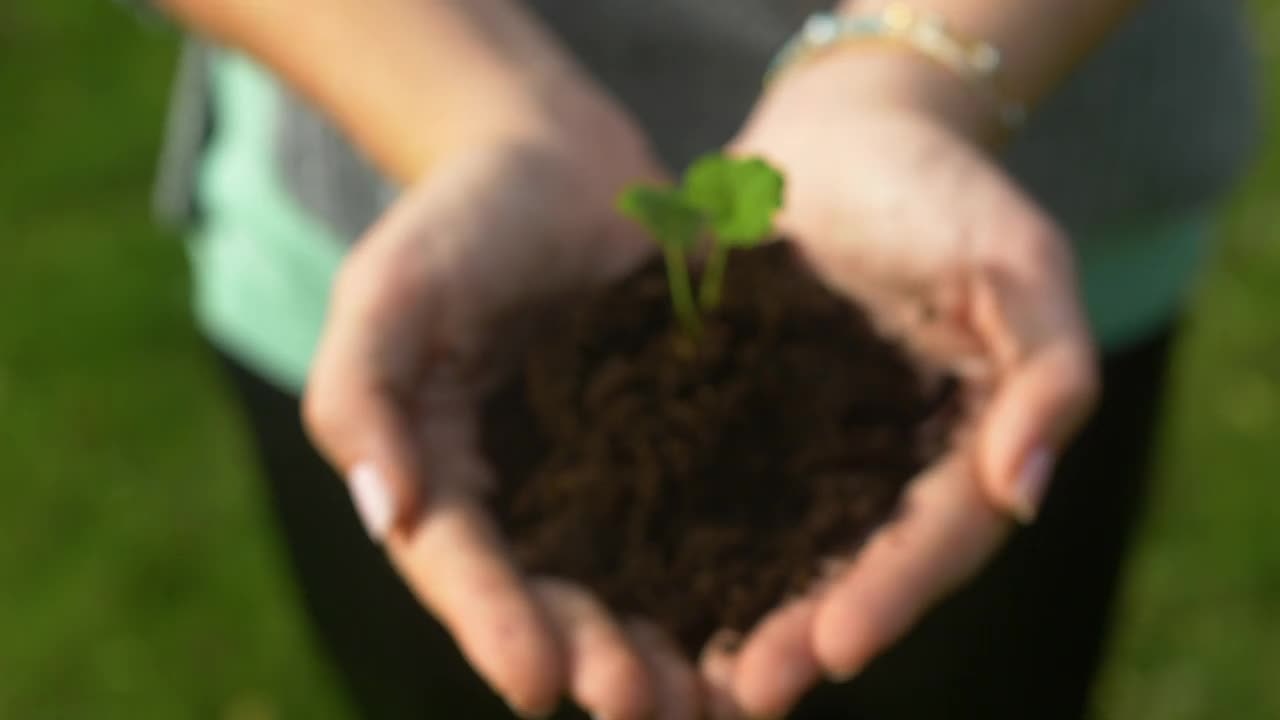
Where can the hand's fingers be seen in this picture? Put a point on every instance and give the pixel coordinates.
(677, 690)
(361, 429)
(717, 666)
(358, 403)
(455, 563)
(606, 676)
(777, 665)
(947, 528)
(1033, 414)
(1047, 378)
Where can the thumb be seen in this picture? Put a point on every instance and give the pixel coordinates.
(358, 420)
(1047, 379)
(364, 435)
(365, 438)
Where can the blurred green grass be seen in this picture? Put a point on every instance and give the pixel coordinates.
(139, 576)
(1199, 631)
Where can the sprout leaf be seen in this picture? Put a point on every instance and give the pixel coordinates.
(738, 196)
(672, 221)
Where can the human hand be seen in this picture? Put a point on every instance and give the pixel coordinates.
(426, 311)
(895, 203)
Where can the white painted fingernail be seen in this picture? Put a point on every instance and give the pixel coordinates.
(1032, 482)
(372, 499)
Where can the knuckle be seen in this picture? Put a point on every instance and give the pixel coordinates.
(1049, 248)
(1043, 246)
(349, 278)
(321, 414)
(1089, 384)
(1031, 247)
(369, 272)
(1079, 385)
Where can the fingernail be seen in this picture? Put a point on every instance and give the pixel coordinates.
(372, 499)
(1031, 485)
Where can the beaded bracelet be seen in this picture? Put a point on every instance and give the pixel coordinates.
(978, 63)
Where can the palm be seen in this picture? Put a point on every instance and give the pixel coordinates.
(430, 310)
(948, 257)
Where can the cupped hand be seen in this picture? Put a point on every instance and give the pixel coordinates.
(895, 204)
(428, 311)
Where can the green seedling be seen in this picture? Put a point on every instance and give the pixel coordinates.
(738, 198)
(675, 225)
(733, 200)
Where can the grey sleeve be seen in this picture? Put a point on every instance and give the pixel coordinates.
(187, 126)
(187, 130)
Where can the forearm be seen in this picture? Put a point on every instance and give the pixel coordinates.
(410, 80)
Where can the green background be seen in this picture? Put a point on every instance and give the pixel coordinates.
(139, 575)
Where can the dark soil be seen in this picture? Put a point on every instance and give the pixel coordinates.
(702, 488)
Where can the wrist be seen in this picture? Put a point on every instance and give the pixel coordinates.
(889, 76)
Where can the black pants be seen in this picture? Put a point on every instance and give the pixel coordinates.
(1023, 640)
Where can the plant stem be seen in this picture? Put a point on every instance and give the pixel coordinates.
(682, 291)
(712, 284)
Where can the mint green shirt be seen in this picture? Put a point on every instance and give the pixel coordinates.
(261, 266)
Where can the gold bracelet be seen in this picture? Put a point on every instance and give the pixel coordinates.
(977, 63)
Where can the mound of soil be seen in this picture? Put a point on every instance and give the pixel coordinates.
(700, 486)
